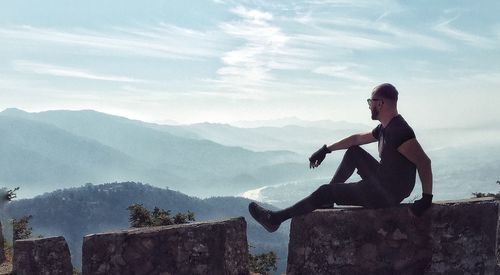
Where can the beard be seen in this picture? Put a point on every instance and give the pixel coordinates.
(375, 114)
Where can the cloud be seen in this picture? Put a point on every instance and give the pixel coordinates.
(255, 16)
(351, 4)
(362, 34)
(468, 38)
(164, 40)
(340, 39)
(251, 63)
(343, 71)
(53, 70)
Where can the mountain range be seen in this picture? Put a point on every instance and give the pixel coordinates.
(49, 150)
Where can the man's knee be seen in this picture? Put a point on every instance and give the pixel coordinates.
(354, 149)
(324, 194)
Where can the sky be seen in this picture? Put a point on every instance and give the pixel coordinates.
(226, 61)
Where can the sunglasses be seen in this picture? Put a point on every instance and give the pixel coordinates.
(370, 100)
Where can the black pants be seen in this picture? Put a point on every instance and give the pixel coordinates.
(368, 192)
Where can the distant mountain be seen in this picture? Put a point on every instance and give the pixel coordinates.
(300, 139)
(89, 209)
(40, 157)
(294, 121)
(195, 166)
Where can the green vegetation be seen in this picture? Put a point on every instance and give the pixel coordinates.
(263, 263)
(21, 229)
(486, 195)
(139, 216)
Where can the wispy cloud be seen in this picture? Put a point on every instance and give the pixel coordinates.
(343, 71)
(165, 41)
(253, 15)
(250, 64)
(53, 70)
(466, 37)
(362, 34)
(351, 4)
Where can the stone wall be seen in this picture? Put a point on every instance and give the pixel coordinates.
(212, 247)
(2, 247)
(45, 256)
(451, 238)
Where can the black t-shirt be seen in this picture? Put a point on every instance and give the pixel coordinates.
(396, 172)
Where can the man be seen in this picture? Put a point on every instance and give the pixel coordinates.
(383, 184)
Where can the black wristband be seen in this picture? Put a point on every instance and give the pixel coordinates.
(427, 197)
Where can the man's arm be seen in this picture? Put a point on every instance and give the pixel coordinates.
(412, 150)
(358, 139)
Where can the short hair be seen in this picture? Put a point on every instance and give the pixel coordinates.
(387, 91)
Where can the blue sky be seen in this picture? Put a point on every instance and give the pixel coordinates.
(224, 61)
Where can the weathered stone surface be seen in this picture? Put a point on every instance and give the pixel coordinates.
(212, 247)
(451, 238)
(45, 256)
(2, 248)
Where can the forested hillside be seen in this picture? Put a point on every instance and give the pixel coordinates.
(76, 212)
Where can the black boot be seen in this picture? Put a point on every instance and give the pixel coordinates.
(263, 216)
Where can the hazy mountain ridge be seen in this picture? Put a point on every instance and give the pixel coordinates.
(295, 121)
(75, 212)
(297, 138)
(34, 153)
(193, 166)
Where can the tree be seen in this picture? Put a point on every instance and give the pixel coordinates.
(21, 229)
(161, 217)
(263, 263)
(483, 195)
(181, 218)
(5, 248)
(8, 195)
(139, 216)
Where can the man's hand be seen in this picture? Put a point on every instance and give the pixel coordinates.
(419, 206)
(318, 157)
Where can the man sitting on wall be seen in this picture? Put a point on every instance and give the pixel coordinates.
(383, 184)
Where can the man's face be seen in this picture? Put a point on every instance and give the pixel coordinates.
(375, 104)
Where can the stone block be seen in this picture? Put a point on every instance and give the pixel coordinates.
(212, 247)
(2, 247)
(454, 237)
(45, 256)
